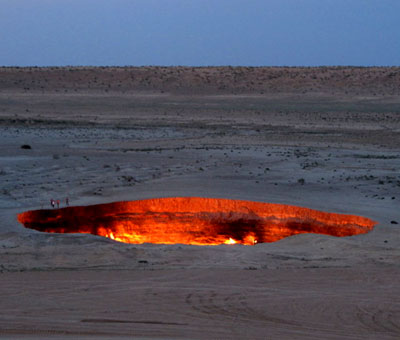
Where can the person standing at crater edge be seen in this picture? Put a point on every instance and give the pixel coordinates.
(52, 203)
(58, 204)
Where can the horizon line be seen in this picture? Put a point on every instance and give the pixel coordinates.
(201, 66)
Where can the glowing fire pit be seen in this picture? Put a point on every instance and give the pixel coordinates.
(192, 220)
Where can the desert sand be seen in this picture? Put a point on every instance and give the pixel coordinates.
(322, 138)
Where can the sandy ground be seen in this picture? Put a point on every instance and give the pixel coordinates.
(328, 144)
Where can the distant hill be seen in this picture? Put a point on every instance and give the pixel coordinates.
(373, 81)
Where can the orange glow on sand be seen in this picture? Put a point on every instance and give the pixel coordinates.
(193, 220)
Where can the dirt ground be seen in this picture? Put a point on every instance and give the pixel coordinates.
(323, 138)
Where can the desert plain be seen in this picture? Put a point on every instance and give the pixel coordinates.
(325, 138)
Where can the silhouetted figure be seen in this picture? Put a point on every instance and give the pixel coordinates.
(58, 204)
(67, 202)
(52, 203)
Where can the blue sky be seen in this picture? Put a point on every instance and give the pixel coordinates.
(199, 32)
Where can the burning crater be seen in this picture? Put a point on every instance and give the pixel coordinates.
(192, 220)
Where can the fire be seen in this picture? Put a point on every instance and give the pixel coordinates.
(230, 241)
(192, 220)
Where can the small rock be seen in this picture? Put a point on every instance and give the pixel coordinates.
(26, 146)
(301, 181)
(394, 222)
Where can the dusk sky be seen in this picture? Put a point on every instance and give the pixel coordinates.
(199, 32)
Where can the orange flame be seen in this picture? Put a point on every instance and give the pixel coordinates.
(192, 220)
